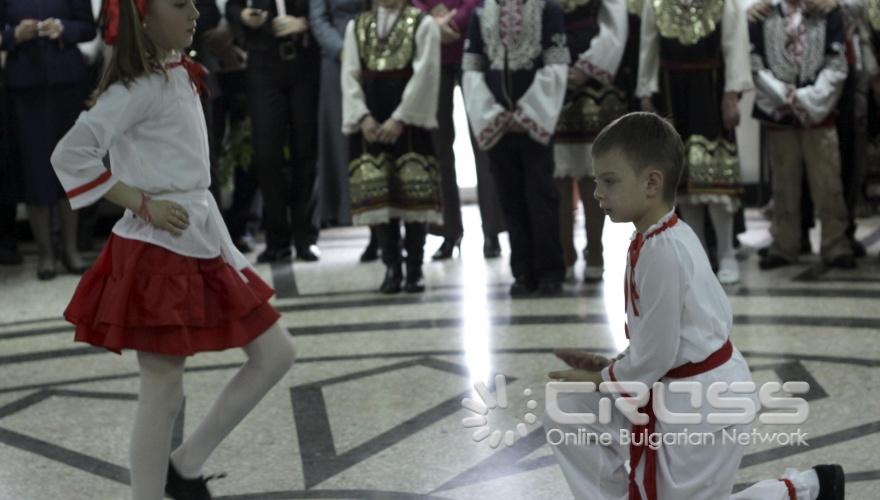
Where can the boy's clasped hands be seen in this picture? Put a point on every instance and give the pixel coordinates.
(28, 29)
(584, 366)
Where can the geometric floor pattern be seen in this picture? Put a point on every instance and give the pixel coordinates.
(372, 409)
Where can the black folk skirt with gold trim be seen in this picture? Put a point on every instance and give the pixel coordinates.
(396, 181)
(690, 95)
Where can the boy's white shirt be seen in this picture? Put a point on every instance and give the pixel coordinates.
(734, 43)
(537, 110)
(157, 139)
(684, 317)
(418, 106)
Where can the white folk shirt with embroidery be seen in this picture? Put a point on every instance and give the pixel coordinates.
(734, 47)
(684, 316)
(418, 105)
(156, 136)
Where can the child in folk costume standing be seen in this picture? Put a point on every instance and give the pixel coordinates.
(390, 84)
(694, 63)
(678, 322)
(169, 283)
(596, 32)
(515, 69)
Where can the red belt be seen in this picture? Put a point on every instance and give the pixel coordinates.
(636, 452)
(395, 74)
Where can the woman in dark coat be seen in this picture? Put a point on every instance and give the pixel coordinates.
(48, 80)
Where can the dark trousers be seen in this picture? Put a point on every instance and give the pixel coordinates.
(444, 138)
(414, 242)
(523, 172)
(283, 98)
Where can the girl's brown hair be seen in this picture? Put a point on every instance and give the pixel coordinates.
(134, 54)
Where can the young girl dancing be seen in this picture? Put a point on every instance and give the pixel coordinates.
(169, 283)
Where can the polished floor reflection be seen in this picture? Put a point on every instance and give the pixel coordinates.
(373, 408)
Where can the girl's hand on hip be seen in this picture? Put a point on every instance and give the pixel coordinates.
(168, 215)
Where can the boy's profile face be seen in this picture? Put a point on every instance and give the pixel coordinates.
(621, 191)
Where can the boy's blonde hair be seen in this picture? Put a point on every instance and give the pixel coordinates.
(645, 140)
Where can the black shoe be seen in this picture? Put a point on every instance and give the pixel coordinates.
(549, 289)
(371, 253)
(806, 249)
(523, 287)
(308, 253)
(415, 280)
(447, 248)
(180, 488)
(9, 256)
(242, 245)
(772, 262)
(843, 262)
(858, 249)
(831, 482)
(393, 279)
(271, 254)
(491, 247)
(65, 261)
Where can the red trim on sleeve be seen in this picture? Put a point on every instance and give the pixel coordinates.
(611, 372)
(89, 185)
(792, 493)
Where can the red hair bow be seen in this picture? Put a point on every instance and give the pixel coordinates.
(110, 17)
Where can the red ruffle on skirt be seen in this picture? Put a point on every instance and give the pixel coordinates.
(141, 296)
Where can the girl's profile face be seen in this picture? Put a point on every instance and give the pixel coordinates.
(171, 24)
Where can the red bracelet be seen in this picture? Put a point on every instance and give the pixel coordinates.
(143, 211)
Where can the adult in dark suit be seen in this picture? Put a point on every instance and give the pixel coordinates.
(328, 19)
(48, 81)
(283, 73)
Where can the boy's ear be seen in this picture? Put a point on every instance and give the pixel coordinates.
(654, 184)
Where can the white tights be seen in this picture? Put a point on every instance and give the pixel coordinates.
(270, 356)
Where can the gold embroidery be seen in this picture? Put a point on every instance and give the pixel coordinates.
(873, 9)
(589, 112)
(634, 7)
(419, 180)
(369, 179)
(395, 51)
(688, 23)
(570, 5)
(711, 164)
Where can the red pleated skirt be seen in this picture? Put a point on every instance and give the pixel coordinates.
(143, 297)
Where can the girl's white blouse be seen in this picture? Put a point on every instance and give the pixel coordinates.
(156, 137)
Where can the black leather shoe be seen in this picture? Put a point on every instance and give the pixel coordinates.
(447, 248)
(415, 280)
(393, 279)
(523, 287)
(831, 482)
(46, 274)
(371, 253)
(271, 254)
(308, 254)
(549, 289)
(180, 488)
(858, 248)
(491, 247)
(843, 262)
(65, 261)
(772, 262)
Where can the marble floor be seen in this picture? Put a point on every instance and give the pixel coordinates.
(373, 407)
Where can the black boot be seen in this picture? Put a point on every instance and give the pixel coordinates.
(415, 280)
(393, 278)
(371, 253)
(447, 249)
(491, 247)
(831, 482)
(180, 488)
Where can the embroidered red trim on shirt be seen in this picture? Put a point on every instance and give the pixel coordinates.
(490, 135)
(792, 493)
(197, 73)
(532, 127)
(89, 185)
(594, 71)
(635, 248)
